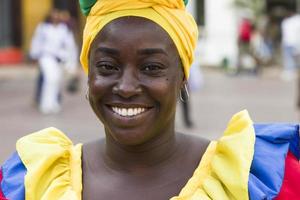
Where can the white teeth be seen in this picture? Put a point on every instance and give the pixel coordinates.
(135, 111)
(124, 112)
(128, 111)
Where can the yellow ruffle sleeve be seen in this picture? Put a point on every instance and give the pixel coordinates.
(53, 166)
(224, 169)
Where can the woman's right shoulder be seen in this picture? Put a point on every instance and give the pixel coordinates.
(45, 137)
(37, 154)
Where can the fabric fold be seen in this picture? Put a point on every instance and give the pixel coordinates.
(13, 173)
(2, 197)
(273, 142)
(250, 161)
(290, 187)
(53, 166)
(224, 169)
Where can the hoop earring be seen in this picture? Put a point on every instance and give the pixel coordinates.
(184, 94)
(87, 94)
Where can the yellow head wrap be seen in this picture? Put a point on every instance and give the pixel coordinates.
(169, 14)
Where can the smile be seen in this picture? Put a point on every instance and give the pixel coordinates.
(128, 112)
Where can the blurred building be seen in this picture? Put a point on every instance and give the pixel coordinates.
(218, 23)
(18, 20)
(217, 20)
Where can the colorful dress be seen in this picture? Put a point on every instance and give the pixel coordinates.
(250, 161)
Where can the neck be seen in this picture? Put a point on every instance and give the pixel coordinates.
(151, 153)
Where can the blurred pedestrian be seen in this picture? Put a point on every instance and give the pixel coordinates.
(290, 28)
(73, 79)
(195, 82)
(245, 58)
(52, 46)
(261, 49)
(186, 110)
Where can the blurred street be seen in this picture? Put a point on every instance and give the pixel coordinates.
(267, 98)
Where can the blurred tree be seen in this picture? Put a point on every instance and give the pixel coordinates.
(257, 7)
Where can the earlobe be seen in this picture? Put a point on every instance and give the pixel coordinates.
(184, 93)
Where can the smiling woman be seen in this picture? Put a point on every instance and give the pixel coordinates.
(135, 72)
(137, 55)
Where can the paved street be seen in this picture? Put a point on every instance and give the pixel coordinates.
(267, 98)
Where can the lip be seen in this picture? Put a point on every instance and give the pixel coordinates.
(129, 121)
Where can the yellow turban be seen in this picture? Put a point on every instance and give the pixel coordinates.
(171, 15)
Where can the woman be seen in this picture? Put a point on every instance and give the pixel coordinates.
(137, 62)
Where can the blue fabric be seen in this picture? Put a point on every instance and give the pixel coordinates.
(294, 145)
(14, 173)
(272, 143)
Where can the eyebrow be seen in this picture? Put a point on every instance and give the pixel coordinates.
(150, 51)
(108, 51)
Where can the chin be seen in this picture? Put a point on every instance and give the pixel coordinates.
(131, 137)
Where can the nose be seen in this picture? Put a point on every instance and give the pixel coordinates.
(128, 85)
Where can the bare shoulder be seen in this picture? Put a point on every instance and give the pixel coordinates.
(196, 145)
(196, 141)
(93, 148)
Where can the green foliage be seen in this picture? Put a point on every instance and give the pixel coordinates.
(256, 6)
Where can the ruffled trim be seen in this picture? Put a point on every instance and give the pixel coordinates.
(224, 169)
(2, 197)
(12, 183)
(291, 186)
(53, 166)
(273, 142)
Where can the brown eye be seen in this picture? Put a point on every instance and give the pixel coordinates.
(153, 69)
(106, 68)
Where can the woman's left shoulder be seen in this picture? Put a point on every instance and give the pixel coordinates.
(196, 144)
(196, 140)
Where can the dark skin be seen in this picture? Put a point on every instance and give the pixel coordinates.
(135, 77)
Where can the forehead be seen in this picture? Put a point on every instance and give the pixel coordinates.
(134, 31)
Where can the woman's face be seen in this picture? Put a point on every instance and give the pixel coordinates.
(135, 76)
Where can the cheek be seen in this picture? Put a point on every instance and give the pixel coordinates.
(164, 90)
(98, 88)
(98, 85)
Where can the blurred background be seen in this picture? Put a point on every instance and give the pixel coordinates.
(239, 65)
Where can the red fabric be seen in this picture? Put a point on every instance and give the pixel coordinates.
(2, 197)
(290, 189)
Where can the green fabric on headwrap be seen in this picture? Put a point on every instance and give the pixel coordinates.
(86, 5)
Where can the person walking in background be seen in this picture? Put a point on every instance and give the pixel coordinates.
(73, 80)
(290, 29)
(195, 82)
(52, 46)
(245, 58)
